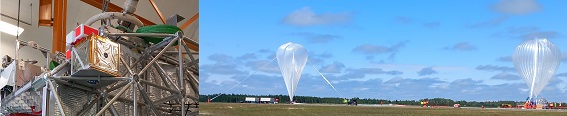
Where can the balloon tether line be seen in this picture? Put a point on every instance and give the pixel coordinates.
(243, 79)
(325, 79)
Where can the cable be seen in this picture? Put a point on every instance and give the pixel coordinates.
(31, 12)
(325, 79)
(244, 79)
(18, 30)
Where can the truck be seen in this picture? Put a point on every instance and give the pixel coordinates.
(267, 100)
(252, 100)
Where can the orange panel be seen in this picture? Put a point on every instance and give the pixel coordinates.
(59, 26)
(63, 31)
(56, 26)
(195, 17)
(45, 13)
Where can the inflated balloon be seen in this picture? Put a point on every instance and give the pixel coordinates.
(536, 61)
(291, 59)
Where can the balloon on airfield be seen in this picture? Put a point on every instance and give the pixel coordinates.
(291, 58)
(536, 61)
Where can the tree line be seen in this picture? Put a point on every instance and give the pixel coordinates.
(238, 98)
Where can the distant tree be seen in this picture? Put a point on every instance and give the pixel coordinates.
(237, 98)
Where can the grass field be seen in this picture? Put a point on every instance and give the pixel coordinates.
(241, 109)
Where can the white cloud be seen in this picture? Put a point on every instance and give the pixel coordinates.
(218, 79)
(526, 33)
(307, 17)
(336, 67)
(426, 71)
(264, 66)
(471, 91)
(562, 87)
(517, 7)
(490, 23)
(371, 50)
(317, 38)
(440, 85)
(462, 46)
(523, 90)
(506, 76)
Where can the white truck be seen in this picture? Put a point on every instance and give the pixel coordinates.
(252, 100)
(267, 100)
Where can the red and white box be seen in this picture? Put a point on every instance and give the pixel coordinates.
(68, 54)
(77, 35)
(83, 31)
(70, 38)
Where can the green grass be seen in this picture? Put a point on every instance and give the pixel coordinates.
(241, 109)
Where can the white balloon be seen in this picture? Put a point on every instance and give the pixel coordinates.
(291, 59)
(536, 61)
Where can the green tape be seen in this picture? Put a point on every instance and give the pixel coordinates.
(167, 29)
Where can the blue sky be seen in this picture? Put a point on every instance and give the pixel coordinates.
(403, 49)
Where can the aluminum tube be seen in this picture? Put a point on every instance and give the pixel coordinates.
(180, 56)
(173, 52)
(117, 87)
(112, 109)
(193, 84)
(146, 98)
(126, 65)
(154, 59)
(57, 98)
(58, 68)
(45, 103)
(162, 72)
(158, 86)
(114, 99)
(168, 98)
(88, 106)
(117, 15)
(16, 62)
(94, 78)
(142, 104)
(134, 97)
(162, 77)
(74, 85)
(34, 46)
(193, 79)
(190, 55)
(191, 41)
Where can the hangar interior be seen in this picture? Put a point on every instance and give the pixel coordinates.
(99, 57)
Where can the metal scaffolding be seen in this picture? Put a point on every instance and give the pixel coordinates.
(166, 83)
